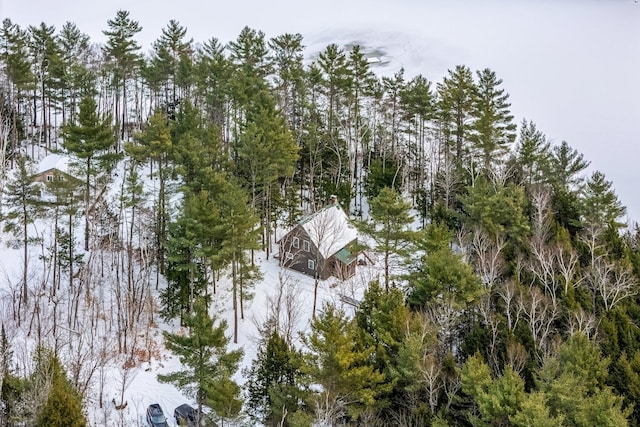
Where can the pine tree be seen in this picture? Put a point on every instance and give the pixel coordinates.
(47, 63)
(76, 78)
(498, 209)
(498, 400)
(600, 204)
(190, 241)
(208, 365)
(91, 141)
(213, 79)
(23, 209)
(121, 52)
(574, 384)
(440, 275)
(565, 166)
(456, 94)
(276, 385)
(266, 152)
(171, 55)
(63, 407)
(350, 383)
(389, 228)
(493, 130)
(418, 106)
(289, 76)
(382, 319)
(533, 153)
(154, 144)
(334, 84)
(250, 52)
(239, 234)
(14, 55)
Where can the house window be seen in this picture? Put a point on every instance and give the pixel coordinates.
(311, 264)
(305, 245)
(49, 178)
(289, 255)
(296, 242)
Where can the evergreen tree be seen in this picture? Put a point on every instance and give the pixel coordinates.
(213, 79)
(565, 166)
(334, 81)
(382, 319)
(600, 204)
(383, 172)
(77, 79)
(121, 52)
(208, 365)
(250, 52)
(91, 141)
(350, 384)
(497, 209)
(533, 153)
(63, 407)
(276, 385)
(289, 76)
(47, 64)
(239, 235)
(389, 228)
(456, 94)
(574, 385)
(493, 130)
(266, 152)
(498, 400)
(418, 106)
(154, 144)
(190, 240)
(440, 275)
(171, 56)
(14, 55)
(22, 199)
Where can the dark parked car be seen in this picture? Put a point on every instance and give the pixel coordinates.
(186, 415)
(155, 416)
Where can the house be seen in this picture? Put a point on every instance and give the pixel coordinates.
(52, 166)
(323, 244)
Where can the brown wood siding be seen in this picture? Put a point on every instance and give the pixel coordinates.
(300, 258)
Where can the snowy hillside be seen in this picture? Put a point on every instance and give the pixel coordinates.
(117, 390)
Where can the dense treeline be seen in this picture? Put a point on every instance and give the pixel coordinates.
(513, 303)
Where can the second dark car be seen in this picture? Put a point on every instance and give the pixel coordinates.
(186, 415)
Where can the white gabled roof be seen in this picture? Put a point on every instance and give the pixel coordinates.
(329, 229)
(54, 161)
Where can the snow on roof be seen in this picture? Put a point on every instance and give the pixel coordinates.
(329, 229)
(54, 161)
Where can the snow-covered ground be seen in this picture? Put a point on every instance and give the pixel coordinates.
(88, 347)
(145, 389)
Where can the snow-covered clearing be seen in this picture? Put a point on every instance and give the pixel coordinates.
(88, 342)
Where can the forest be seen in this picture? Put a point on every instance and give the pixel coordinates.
(508, 285)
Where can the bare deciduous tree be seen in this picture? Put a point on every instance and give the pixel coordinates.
(509, 293)
(517, 356)
(582, 322)
(487, 256)
(611, 281)
(541, 314)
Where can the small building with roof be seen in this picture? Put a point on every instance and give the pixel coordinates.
(53, 166)
(322, 244)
